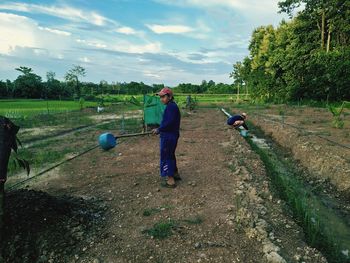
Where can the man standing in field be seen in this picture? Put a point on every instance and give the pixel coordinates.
(169, 135)
(238, 121)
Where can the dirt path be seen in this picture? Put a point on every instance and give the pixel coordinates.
(222, 211)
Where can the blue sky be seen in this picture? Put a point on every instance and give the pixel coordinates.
(154, 41)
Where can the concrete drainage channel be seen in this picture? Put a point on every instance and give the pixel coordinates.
(323, 226)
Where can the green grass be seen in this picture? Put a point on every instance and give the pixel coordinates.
(38, 157)
(181, 98)
(153, 211)
(18, 108)
(162, 229)
(68, 120)
(24, 110)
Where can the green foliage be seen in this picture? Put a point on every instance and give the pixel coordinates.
(134, 100)
(28, 84)
(9, 144)
(21, 108)
(337, 122)
(81, 103)
(206, 87)
(72, 77)
(161, 229)
(306, 58)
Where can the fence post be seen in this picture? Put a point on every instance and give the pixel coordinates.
(123, 123)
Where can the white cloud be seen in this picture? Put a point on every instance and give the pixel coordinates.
(16, 31)
(56, 31)
(126, 30)
(151, 74)
(121, 45)
(64, 12)
(234, 4)
(139, 49)
(170, 29)
(85, 59)
(22, 32)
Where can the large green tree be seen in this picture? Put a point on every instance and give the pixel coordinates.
(305, 58)
(53, 86)
(28, 84)
(72, 77)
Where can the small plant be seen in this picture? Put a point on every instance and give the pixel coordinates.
(81, 103)
(134, 100)
(337, 122)
(161, 230)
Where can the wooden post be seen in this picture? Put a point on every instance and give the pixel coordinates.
(328, 39)
(246, 92)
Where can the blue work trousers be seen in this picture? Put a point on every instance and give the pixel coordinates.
(167, 155)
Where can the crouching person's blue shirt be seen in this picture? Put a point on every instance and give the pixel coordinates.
(169, 134)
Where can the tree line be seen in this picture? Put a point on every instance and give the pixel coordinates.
(209, 87)
(306, 58)
(32, 86)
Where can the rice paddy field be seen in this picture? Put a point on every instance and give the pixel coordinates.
(25, 107)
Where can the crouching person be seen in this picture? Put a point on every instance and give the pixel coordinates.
(238, 121)
(169, 135)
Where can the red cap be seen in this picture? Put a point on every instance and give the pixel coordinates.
(165, 91)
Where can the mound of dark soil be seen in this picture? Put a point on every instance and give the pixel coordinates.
(44, 228)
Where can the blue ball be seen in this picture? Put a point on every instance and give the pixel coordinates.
(107, 141)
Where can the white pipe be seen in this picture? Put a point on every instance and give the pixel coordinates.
(226, 113)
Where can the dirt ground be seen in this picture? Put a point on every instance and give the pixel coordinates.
(316, 120)
(313, 141)
(101, 207)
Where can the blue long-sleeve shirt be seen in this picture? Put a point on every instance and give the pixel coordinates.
(233, 119)
(170, 125)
